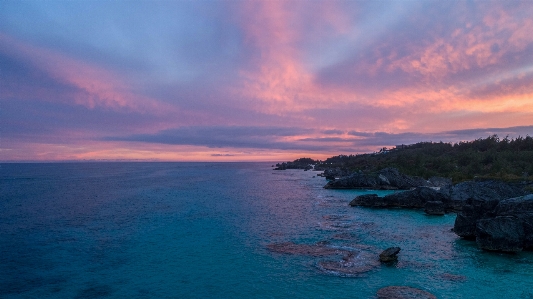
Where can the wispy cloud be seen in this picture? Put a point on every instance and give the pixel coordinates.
(297, 138)
(193, 80)
(226, 136)
(390, 139)
(63, 79)
(333, 132)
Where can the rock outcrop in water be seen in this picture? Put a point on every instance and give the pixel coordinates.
(352, 264)
(354, 261)
(480, 190)
(389, 255)
(496, 214)
(479, 202)
(414, 199)
(505, 225)
(332, 173)
(437, 201)
(385, 179)
(402, 292)
(435, 208)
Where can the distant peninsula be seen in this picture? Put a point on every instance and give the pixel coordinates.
(490, 158)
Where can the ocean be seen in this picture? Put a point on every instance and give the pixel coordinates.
(207, 230)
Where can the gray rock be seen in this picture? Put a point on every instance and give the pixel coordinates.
(465, 223)
(385, 179)
(402, 292)
(389, 254)
(479, 200)
(330, 174)
(505, 225)
(502, 233)
(480, 190)
(521, 208)
(402, 181)
(354, 181)
(414, 199)
(439, 181)
(434, 208)
(368, 200)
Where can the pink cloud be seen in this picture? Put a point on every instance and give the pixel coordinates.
(470, 72)
(93, 86)
(280, 81)
(471, 46)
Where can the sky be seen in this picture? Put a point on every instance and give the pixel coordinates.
(258, 80)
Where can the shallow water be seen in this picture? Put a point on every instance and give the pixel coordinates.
(197, 230)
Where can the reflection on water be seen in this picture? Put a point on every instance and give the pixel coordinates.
(225, 230)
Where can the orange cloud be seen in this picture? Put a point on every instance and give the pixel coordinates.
(280, 82)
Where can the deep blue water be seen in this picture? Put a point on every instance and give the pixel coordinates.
(199, 230)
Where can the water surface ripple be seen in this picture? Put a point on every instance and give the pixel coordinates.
(199, 230)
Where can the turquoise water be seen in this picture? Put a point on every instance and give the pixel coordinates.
(197, 230)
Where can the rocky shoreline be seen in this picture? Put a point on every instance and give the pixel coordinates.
(505, 225)
(354, 261)
(496, 214)
(440, 200)
(385, 179)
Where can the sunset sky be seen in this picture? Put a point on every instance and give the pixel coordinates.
(258, 80)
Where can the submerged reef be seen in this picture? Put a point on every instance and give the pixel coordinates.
(346, 261)
(403, 292)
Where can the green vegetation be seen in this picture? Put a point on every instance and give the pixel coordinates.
(302, 163)
(492, 157)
